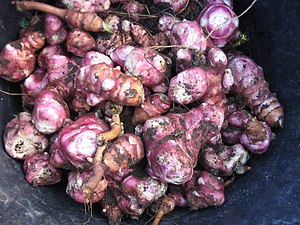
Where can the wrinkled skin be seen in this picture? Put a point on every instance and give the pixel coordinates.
(39, 171)
(78, 140)
(49, 112)
(249, 81)
(17, 58)
(76, 182)
(21, 139)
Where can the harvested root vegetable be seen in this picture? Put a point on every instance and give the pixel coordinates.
(154, 105)
(142, 191)
(224, 160)
(176, 6)
(249, 81)
(166, 22)
(39, 171)
(55, 31)
(93, 57)
(87, 21)
(242, 127)
(119, 54)
(49, 112)
(71, 138)
(57, 158)
(76, 183)
(80, 42)
(17, 58)
(188, 86)
(188, 34)
(21, 139)
(146, 64)
(257, 136)
(46, 53)
(174, 141)
(204, 190)
(123, 153)
(220, 22)
(101, 82)
(133, 8)
(229, 3)
(109, 109)
(87, 5)
(110, 208)
(33, 85)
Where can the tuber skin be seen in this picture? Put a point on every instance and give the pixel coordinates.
(166, 22)
(146, 64)
(17, 58)
(87, 21)
(188, 34)
(133, 8)
(249, 81)
(173, 142)
(80, 42)
(49, 112)
(61, 74)
(94, 57)
(33, 85)
(75, 188)
(223, 160)
(246, 129)
(219, 22)
(188, 86)
(71, 138)
(21, 139)
(154, 105)
(46, 53)
(101, 82)
(257, 136)
(39, 171)
(204, 190)
(55, 32)
(87, 6)
(119, 54)
(57, 158)
(176, 6)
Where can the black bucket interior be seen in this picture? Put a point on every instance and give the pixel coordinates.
(268, 194)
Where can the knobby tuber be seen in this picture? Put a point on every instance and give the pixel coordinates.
(22, 139)
(87, 21)
(135, 135)
(101, 82)
(39, 171)
(249, 81)
(17, 58)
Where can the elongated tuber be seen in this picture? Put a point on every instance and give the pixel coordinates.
(84, 20)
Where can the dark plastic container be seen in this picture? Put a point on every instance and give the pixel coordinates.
(269, 194)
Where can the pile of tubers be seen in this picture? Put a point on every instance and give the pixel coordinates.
(142, 103)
